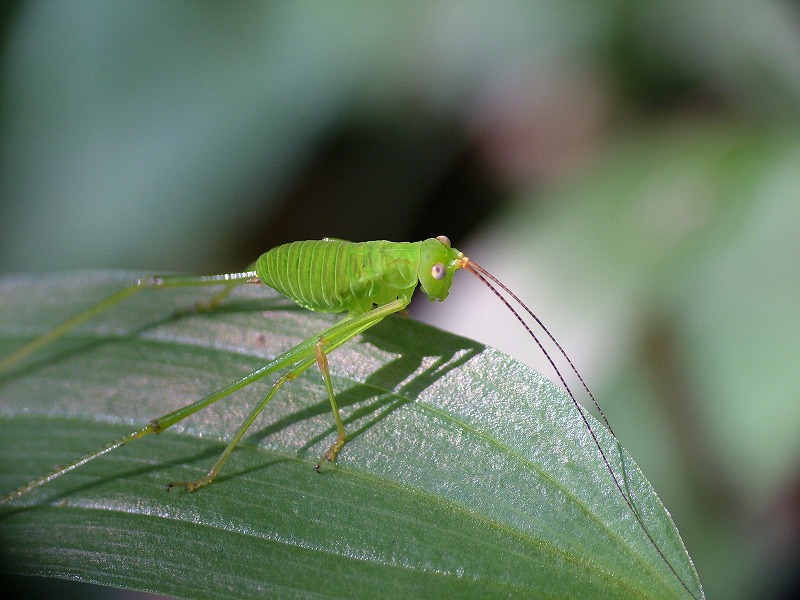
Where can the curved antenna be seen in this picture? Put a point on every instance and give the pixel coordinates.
(481, 273)
(488, 279)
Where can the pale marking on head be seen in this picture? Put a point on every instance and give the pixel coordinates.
(438, 271)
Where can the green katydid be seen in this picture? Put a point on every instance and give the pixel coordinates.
(369, 281)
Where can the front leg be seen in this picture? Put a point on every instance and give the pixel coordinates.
(341, 438)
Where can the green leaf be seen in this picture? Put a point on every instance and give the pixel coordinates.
(466, 474)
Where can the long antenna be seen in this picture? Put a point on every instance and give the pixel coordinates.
(488, 279)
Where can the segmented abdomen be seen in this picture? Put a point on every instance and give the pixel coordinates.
(335, 275)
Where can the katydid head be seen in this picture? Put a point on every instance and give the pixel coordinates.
(438, 261)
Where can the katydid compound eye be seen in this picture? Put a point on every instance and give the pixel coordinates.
(438, 271)
(444, 239)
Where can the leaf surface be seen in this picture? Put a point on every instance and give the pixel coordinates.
(466, 474)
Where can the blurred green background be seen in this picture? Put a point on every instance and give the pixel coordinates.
(630, 168)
